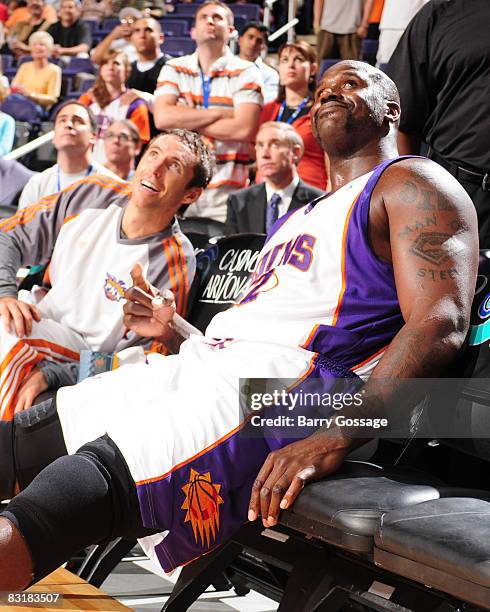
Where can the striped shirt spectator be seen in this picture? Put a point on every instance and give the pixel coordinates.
(217, 94)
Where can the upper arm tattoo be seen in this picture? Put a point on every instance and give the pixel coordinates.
(431, 237)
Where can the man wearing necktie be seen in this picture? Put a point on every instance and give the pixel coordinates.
(278, 150)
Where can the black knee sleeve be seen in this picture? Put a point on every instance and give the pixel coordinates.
(28, 443)
(76, 501)
(63, 510)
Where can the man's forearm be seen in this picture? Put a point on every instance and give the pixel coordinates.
(10, 262)
(230, 129)
(168, 117)
(102, 48)
(419, 351)
(72, 51)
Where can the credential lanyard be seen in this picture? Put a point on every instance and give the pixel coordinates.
(58, 177)
(206, 89)
(294, 116)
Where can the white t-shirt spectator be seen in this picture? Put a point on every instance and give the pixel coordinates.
(341, 16)
(53, 179)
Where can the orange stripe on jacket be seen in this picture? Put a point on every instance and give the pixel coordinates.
(170, 264)
(178, 273)
(27, 214)
(185, 273)
(342, 265)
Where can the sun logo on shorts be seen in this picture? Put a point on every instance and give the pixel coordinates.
(202, 503)
(114, 289)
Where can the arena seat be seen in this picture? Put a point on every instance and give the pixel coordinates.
(77, 65)
(178, 46)
(383, 537)
(201, 225)
(221, 273)
(325, 65)
(6, 62)
(174, 27)
(22, 109)
(369, 49)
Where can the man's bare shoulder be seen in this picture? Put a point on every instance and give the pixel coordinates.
(416, 199)
(421, 185)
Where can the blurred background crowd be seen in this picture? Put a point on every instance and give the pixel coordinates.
(131, 69)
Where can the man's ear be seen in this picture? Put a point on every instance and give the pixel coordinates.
(162, 38)
(393, 111)
(191, 195)
(297, 154)
(193, 33)
(93, 138)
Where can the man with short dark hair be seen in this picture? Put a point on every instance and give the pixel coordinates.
(75, 132)
(278, 149)
(72, 36)
(147, 38)
(364, 282)
(252, 43)
(92, 234)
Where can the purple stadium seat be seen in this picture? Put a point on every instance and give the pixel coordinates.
(109, 24)
(174, 27)
(325, 65)
(369, 49)
(79, 64)
(21, 109)
(6, 62)
(178, 46)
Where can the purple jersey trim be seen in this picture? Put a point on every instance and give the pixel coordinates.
(282, 220)
(231, 466)
(369, 315)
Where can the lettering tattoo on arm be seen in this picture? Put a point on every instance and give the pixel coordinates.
(425, 199)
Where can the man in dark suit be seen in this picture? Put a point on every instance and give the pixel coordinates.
(255, 209)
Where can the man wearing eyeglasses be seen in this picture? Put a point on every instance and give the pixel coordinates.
(74, 136)
(122, 144)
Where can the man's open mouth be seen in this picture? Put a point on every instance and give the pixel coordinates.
(149, 186)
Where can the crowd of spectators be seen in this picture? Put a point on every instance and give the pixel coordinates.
(134, 89)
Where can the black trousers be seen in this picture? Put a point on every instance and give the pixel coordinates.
(69, 502)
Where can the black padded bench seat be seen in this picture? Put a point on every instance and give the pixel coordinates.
(345, 510)
(444, 543)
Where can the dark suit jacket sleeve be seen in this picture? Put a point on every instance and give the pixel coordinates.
(231, 223)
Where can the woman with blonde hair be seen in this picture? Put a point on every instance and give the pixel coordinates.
(110, 100)
(39, 80)
(297, 77)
